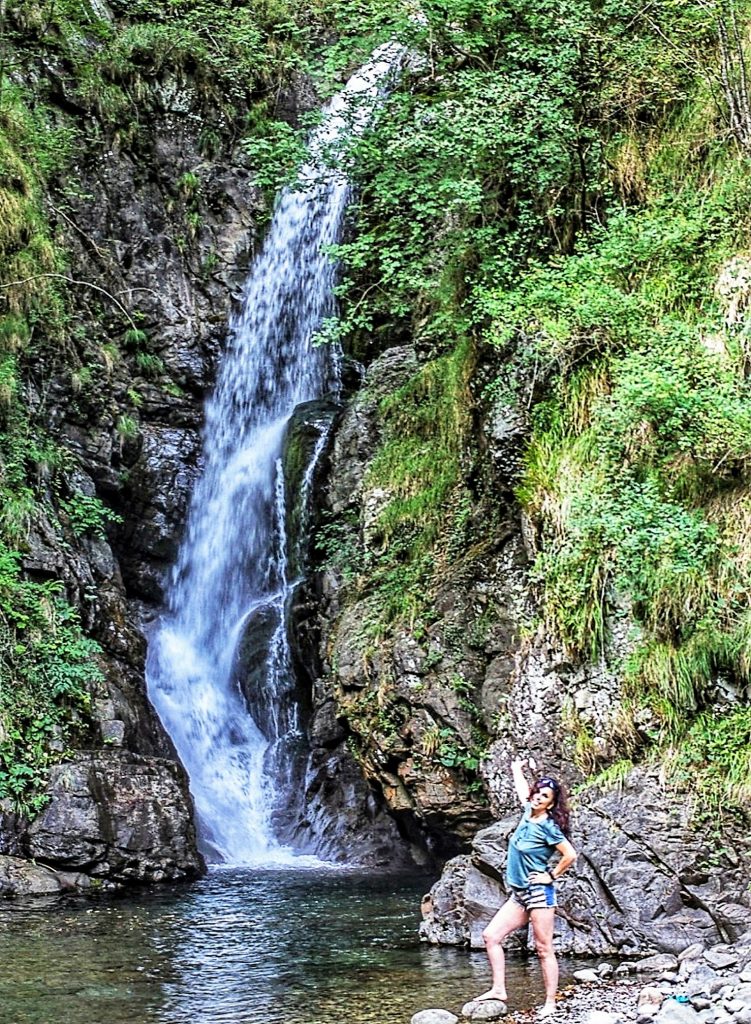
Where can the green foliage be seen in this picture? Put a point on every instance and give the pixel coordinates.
(611, 777)
(88, 515)
(713, 759)
(275, 150)
(418, 469)
(338, 545)
(126, 427)
(495, 152)
(47, 676)
(135, 338)
(641, 444)
(48, 670)
(151, 366)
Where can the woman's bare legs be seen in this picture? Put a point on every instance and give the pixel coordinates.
(510, 917)
(542, 925)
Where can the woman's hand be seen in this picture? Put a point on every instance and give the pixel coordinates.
(540, 878)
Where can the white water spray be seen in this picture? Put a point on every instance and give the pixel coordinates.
(232, 566)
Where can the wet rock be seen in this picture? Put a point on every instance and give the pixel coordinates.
(20, 878)
(306, 437)
(157, 491)
(484, 1009)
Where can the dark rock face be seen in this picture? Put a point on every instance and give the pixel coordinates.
(400, 698)
(117, 816)
(338, 815)
(646, 878)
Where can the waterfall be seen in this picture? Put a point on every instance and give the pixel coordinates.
(231, 572)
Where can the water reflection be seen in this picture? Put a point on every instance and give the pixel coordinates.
(308, 947)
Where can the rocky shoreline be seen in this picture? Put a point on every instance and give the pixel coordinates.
(698, 986)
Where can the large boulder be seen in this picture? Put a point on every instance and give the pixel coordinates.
(117, 816)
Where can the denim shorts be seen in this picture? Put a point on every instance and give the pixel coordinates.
(535, 897)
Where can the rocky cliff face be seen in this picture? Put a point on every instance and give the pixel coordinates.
(414, 706)
(160, 236)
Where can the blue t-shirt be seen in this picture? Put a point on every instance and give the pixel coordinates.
(530, 848)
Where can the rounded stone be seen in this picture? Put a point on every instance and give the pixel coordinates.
(489, 1009)
(434, 1017)
(587, 975)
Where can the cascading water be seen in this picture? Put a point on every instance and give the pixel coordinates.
(232, 566)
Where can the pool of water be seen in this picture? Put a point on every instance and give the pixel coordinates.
(262, 946)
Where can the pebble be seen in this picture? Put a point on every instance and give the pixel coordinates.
(484, 1009)
(488, 1009)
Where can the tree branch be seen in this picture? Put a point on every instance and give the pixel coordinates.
(82, 284)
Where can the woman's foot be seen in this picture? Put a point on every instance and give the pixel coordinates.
(492, 993)
(546, 1011)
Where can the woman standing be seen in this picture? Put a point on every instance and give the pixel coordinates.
(531, 881)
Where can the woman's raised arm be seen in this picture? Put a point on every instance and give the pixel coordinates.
(520, 783)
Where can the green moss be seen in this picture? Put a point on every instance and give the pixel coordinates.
(418, 469)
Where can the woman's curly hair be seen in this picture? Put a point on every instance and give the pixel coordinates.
(559, 812)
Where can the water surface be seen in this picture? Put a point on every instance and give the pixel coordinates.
(240, 946)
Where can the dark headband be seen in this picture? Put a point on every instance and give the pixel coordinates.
(547, 781)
